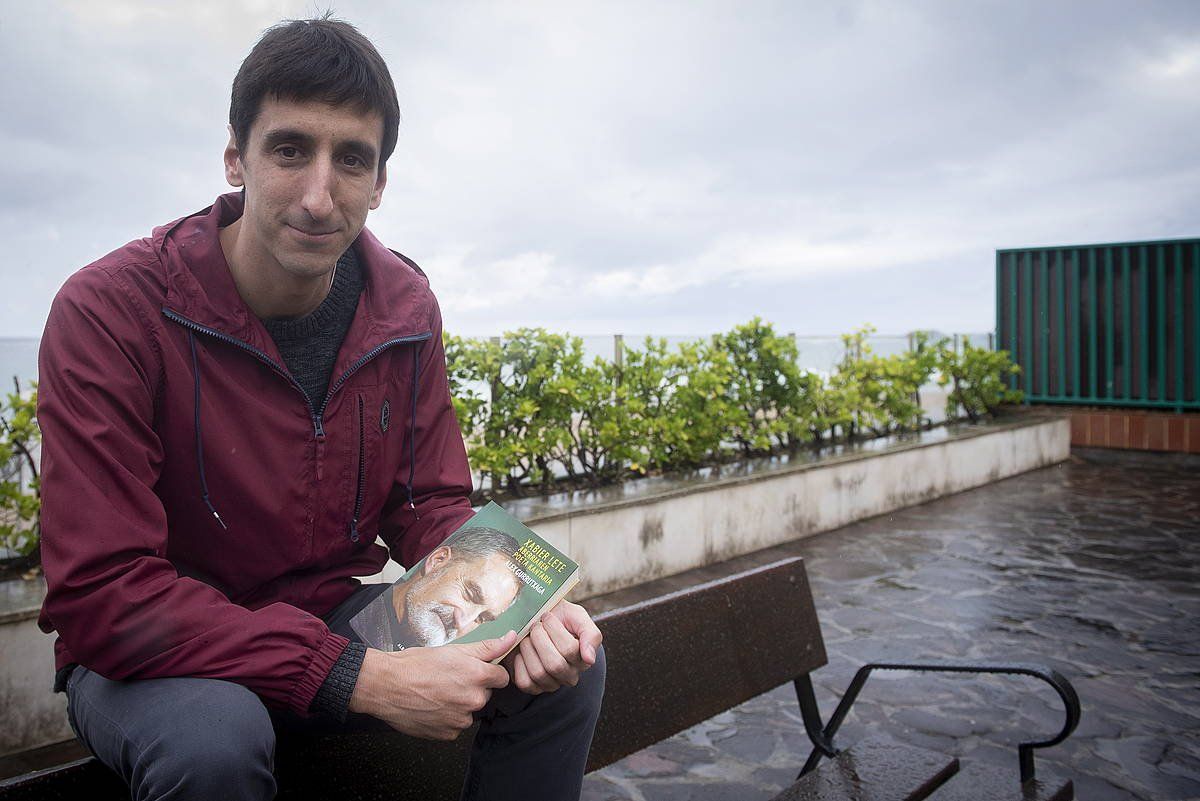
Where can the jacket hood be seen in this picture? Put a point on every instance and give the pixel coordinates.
(200, 286)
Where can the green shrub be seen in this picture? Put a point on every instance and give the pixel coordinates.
(769, 396)
(523, 427)
(675, 404)
(600, 441)
(531, 408)
(979, 381)
(833, 404)
(19, 504)
(882, 393)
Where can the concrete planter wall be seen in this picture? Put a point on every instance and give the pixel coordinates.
(30, 715)
(628, 534)
(643, 530)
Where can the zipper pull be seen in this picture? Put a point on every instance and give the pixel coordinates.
(320, 453)
(413, 507)
(354, 530)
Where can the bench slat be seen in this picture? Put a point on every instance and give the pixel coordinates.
(977, 780)
(757, 629)
(875, 770)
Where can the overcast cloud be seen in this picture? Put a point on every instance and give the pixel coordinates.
(671, 168)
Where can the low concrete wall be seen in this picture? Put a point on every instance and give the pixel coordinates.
(623, 541)
(30, 714)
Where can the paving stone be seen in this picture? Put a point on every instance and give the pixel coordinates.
(752, 744)
(775, 779)
(713, 791)
(682, 752)
(932, 723)
(1142, 759)
(597, 788)
(649, 763)
(690, 791)
(1094, 788)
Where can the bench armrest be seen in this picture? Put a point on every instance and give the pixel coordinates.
(822, 737)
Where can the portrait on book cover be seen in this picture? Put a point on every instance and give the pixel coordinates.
(491, 575)
(462, 584)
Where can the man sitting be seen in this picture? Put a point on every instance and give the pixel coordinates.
(220, 458)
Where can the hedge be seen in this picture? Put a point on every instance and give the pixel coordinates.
(534, 411)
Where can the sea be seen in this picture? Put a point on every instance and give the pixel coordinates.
(18, 355)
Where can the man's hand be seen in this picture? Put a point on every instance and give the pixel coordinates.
(430, 692)
(557, 650)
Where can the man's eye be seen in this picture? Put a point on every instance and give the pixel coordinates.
(288, 152)
(354, 161)
(472, 593)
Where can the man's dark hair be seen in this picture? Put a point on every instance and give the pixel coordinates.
(481, 542)
(315, 59)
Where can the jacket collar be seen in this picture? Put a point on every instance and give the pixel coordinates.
(396, 301)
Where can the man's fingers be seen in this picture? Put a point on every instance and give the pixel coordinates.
(487, 650)
(580, 623)
(563, 640)
(495, 677)
(533, 665)
(553, 661)
(479, 699)
(589, 642)
(521, 677)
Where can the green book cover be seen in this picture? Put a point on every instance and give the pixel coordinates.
(492, 575)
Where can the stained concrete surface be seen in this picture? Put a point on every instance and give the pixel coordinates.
(1091, 566)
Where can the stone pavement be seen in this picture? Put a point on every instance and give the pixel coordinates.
(1091, 566)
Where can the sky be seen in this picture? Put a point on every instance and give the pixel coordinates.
(642, 167)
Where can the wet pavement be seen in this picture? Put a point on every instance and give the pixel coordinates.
(1091, 566)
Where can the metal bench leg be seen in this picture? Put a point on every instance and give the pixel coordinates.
(811, 714)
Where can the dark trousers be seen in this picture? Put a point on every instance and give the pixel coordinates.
(190, 738)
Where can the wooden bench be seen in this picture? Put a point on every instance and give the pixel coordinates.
(680, 650)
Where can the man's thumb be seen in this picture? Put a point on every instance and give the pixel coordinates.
(487, 650)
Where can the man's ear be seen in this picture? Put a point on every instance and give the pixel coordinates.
(380, 183)
(233, 161)
(437, 558)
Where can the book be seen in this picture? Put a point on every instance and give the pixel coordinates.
(492, 575)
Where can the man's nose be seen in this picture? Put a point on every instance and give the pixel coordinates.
(466, 618)
(318, 191)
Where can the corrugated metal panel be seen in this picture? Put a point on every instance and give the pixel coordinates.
(1107, 324)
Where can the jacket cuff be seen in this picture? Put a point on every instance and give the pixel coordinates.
(333, 699)
(317, 669)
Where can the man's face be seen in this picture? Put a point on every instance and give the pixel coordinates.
(455, 595)
(311, 172)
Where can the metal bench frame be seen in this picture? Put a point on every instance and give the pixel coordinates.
(822, 736)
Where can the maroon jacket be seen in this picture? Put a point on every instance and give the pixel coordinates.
(198, 513)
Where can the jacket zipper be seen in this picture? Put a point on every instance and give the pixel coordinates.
(363, 360)
(170, 314)
(362, 472)
(316, 415)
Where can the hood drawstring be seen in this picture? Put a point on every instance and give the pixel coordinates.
(412, 430)
(199, 439)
